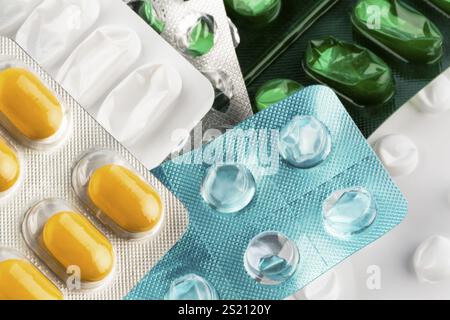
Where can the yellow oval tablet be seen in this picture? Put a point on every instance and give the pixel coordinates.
(20, 280)
(74, 241)
(28, 104)
(9, 167)
(125, 198)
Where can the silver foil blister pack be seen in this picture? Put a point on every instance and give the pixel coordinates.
(220, 65)
(47, 174)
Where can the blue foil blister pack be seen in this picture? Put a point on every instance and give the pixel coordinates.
(274, 203)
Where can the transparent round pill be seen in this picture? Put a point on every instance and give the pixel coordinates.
(191, 287)
(228, 188)
(271, 258)
(305, 142)
(349, 211)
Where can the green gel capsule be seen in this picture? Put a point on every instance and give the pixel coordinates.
(275, 91)
(257, 11)
(352, 71)
(400, 29)
(147, 11)
(444, 5)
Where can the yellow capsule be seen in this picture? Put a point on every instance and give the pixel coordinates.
(9, 167)
(125, 198)
(28, 104)
(73, 241)
(20, 280)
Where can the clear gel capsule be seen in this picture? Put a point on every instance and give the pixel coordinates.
(9, 167)
(271, 258)
(28, 105)
(69, 243)
(349, 211)
(20, 280)
(191, 287)
(121, 198)
(228, 188)
(305, 142)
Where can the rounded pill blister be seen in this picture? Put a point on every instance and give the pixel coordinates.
(348, 212)
(21, 280)
(10, 167)
(191, 287)
(228, 188)
(117, 195)
(431, 259)
(305, 142)
(69, 243)
(398, 154)
(271, 258)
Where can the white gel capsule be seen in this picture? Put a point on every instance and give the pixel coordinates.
(398, 154)
(53, 28)
(98, 62)
(13, 13)
(436, 97)
(432, 259)
(139, 101)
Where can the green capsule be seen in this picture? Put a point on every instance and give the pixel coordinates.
(201, 37)
(274, 91)
(353, 71)
(258, 11)
(146, 11)
(400, 29)
(444, 5)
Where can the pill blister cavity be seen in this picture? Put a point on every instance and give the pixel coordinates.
(14, 13)
(117, 195)
(354, 72)
(228, 188)
(257, 12)
(398, 153)
(135, 106)
(107, 53)
(149, 12)
(196, 34)
(431, 259)
(29, 110)
(271, 258)
(348, 212)
(400, 29)
(191, 287)
(305, 142)
(65, 239)
(274, 91)
(436, 97)
(54, 26)
(223, 87)
(10, 167)
(23, 281)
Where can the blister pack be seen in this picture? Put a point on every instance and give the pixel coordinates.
(89, 217)
(200, 30)
(412, 261)
(376, 54)
(274, 203)
(131, 80)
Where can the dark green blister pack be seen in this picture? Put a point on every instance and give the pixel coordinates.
(413, 55)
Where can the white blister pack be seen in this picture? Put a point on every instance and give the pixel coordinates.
(219, 64)
(413, 260)
(57, 164)
(136, 85)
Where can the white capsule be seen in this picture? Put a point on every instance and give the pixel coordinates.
(398, 154)
(432, 259)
